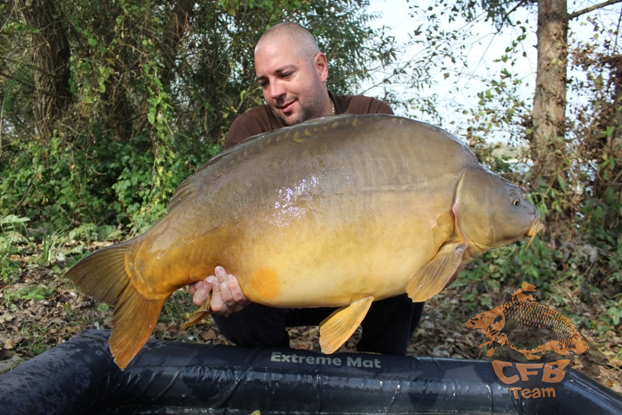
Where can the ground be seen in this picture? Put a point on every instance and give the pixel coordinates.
(39, 309)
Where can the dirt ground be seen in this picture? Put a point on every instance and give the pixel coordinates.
(43, 310)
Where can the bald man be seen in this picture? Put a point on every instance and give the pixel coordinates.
(292, 72)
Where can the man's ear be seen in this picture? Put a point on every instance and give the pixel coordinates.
(321, 66)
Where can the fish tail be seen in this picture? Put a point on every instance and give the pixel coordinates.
(103, 276)
(134, 320)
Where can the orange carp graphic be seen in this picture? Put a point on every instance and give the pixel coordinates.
(527, 313)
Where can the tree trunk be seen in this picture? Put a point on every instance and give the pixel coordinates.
(611, 118)
(616, 122)
(51, 55)
(549, 107)
(178, 26)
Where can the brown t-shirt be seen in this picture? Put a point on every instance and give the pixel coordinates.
(261, 119)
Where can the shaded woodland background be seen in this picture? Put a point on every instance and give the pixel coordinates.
(105, 107)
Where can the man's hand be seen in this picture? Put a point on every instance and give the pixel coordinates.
(227, 296)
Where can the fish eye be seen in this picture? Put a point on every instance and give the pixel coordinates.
(515, 201)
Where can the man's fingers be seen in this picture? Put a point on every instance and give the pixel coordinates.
(201, 290)
(217, 304)
(192, 288)
(239, 298)
(230, 291)
(223, 282)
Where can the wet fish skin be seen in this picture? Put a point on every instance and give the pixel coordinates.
(339, 211)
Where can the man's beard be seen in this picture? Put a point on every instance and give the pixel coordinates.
(307, 112)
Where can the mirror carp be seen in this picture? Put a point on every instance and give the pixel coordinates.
(339, 211)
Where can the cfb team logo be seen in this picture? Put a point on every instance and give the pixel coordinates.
(524, 313)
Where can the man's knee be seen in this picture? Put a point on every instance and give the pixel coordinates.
(255, 325)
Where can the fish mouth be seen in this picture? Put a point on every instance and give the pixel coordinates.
(535, 228)
(476, 249)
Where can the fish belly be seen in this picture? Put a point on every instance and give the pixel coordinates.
(334, 256)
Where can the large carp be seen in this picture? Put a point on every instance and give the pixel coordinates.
(340, 211)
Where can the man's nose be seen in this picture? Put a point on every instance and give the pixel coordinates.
(275, 89)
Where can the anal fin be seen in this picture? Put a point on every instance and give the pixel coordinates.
(337, 328)
(433, 276)
(200, 314)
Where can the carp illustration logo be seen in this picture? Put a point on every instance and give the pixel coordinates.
(523, 312)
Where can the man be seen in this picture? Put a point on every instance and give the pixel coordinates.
(292, 72)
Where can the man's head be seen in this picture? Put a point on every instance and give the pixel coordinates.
(292, 72)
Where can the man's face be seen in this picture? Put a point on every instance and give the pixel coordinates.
(293, 86)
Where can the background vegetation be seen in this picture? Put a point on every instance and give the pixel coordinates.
(105, 107)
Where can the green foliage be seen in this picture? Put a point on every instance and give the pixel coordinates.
(153, 88)
(50, 245)
(11, 240)
(38, 293)
(579, 253)
(507, 267)
(601, 227)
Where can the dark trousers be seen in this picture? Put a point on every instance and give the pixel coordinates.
(387, 327)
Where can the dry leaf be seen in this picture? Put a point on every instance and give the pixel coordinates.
(209, 335)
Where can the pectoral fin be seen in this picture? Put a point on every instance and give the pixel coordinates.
(337, 328)
(434, 275)
(200, 314)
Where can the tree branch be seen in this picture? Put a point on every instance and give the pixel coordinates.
(592, 8)
(26, 84)
(522, 3)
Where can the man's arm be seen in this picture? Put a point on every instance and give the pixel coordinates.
(238, 132)
(255, 121)
(360, 104)
(377, 106)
